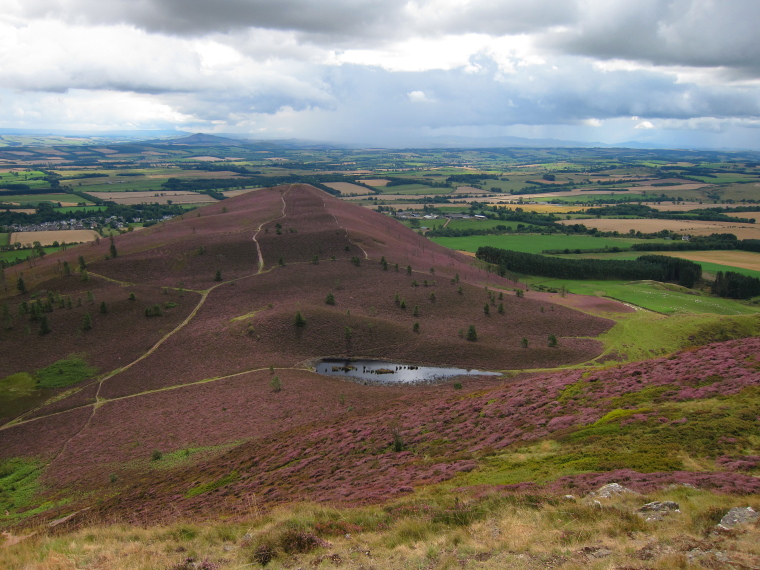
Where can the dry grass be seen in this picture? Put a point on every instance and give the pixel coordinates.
(560, 533)
(48, 237)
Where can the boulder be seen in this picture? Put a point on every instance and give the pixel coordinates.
(738, 516)
(611, 490)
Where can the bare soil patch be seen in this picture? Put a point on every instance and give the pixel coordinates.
(47, 238)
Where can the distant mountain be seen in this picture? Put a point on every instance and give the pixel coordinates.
(201, 139)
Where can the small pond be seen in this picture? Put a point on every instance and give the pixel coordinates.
(381, 372)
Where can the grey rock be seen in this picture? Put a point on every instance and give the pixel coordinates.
(611, 490)
(661, 507)
(737, 516)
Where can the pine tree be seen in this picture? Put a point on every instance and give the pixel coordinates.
(86, 322)
(330, 299)
(218, 276)
(44, 325)
(472, 334)
(21, 285)
(299, 320)
(103, 307)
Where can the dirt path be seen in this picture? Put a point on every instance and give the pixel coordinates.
(99, 401)
(348, 237)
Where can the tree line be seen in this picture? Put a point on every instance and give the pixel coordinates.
(647, 267)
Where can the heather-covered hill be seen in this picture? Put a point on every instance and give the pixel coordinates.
(167, 338)
(172, 382)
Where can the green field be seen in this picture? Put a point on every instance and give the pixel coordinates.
(37, 198)
(660, 297)
(414, 189)
(70, 209)
(5, 239)
(532, 243)
(710, 268)
(12, 256)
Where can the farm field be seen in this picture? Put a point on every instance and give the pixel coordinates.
(233, 193)
(658, 297)
(693, 227)
(47, 238)
(733, 258)
(162, 197)
(65, 199)
(4, 238)
(76, 209)
(15, 255)
(346, 188)
(532, 243)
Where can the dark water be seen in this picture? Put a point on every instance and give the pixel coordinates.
(381, 372)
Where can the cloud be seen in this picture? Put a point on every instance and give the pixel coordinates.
(690, 33)
(340, 69)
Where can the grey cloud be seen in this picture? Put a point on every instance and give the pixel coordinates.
(698, 33)
(198, 17)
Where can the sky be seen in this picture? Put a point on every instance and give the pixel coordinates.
(679, 73)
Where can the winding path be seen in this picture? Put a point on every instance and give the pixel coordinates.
(99, 401)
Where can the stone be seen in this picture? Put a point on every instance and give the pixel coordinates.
(611, 490)
(738, 516)
(661, 507)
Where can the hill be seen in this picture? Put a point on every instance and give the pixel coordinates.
(192, 385)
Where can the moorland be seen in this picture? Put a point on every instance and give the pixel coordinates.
(158, 400)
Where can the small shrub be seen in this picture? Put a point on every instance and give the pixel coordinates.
(299, 320)
(275, 384)
(472, 334)
(416, 327)
(552, 341)
(330, 299)
(156, 455)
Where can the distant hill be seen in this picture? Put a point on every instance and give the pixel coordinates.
(201, 139)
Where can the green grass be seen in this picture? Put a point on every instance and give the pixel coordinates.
(18, 484)
(643, 335)
(64, 373)
(710, 268)
(532, 243)
(70, 209)
(661, 297)
(12, 256)
(37, 198)
(414, 189)
(646, 445)
(212, 485)
(5, 239)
